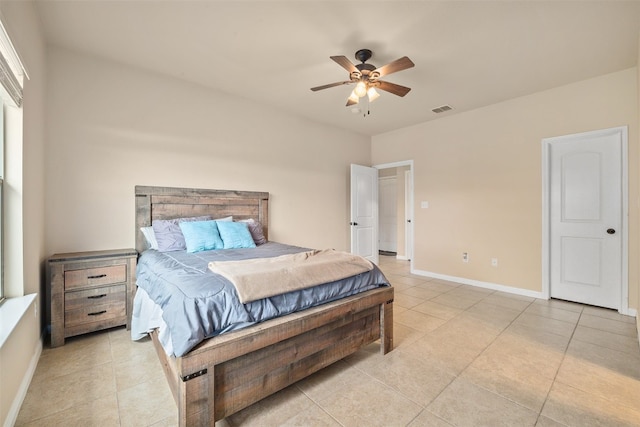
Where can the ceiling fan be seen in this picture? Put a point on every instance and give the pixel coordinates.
(367, 77)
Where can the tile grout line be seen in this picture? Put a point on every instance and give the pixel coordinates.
(581, 389)
(317, 404)
(115, 379)
(475, 358)
(564, 355)
(398, 391)
(485, 349)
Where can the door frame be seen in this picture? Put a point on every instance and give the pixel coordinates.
(409, 231)
(408, 214)
(546, 206)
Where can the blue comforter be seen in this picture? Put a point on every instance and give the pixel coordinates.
(198, 304)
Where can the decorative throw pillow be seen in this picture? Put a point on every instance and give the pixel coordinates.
(255, 228)
(168, 233)
(235, 235)
(201, 235)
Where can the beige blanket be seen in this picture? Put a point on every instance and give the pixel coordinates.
(255, 279)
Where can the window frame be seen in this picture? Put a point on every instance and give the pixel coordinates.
(12, 75)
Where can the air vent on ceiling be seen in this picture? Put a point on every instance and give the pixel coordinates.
(442, 109)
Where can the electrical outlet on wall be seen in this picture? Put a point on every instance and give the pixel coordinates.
(494, 262)
(465, 256)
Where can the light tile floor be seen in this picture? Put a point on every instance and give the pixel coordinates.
(463, 356)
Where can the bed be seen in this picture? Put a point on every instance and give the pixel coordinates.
(230, 371)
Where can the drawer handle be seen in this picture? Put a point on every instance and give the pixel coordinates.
(98, 276)
(97, 296)
(97, 313)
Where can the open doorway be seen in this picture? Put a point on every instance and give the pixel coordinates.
(395, 207)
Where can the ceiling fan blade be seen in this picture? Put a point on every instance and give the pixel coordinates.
(393, 67)
(344, 62)
(393, 88)
(331, 85)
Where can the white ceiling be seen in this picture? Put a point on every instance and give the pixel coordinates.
(468, 54)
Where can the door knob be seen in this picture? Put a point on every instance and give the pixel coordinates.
(611, 231)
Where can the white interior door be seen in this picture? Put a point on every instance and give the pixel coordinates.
(364, 212)
(388, 212)
(585, 218)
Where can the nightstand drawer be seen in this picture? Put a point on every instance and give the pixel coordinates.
(74, 279)
(96, 312)
(93, 297)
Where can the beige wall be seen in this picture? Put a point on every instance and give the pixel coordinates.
(480, 171)
(24, 242)
(111, 127)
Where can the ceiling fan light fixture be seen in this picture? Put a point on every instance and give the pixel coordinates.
(372, 94)
(353, 98)
(361, 89)
(366, 77)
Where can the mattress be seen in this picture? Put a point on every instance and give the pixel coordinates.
(178, 294)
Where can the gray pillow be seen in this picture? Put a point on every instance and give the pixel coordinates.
(255, 228)
(169, 235)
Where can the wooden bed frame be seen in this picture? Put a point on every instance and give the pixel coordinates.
(229, 372)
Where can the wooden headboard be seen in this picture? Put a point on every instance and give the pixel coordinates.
(168, 202)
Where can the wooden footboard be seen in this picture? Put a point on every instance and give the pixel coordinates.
(230, 372)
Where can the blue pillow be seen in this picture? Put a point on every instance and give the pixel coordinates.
(168, 234)
(201, 236)
(235, 235)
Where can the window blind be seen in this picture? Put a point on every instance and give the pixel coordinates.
(10, 82)
(12, 70)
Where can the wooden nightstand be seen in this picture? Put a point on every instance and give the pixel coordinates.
(89, 291)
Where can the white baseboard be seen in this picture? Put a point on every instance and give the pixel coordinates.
(504, 288)
(12, 416)
(402, 257)
(478, 283)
